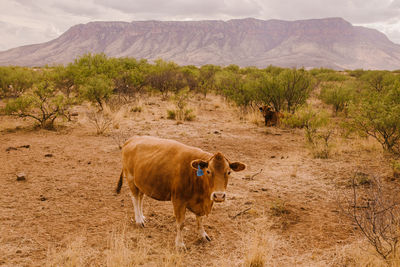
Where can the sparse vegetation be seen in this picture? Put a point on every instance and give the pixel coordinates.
(181, 112)
(121, 98)
(44, 104)
(339, 96)
(278, 208)
(376, 212)
(377, 114)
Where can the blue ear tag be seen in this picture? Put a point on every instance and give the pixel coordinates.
(200, 172)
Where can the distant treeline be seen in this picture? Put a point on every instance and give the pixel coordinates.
(371, 99)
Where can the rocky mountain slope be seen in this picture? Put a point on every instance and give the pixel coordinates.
(330, 42)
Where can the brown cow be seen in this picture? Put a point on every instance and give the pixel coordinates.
(272, 118)
(168, 170)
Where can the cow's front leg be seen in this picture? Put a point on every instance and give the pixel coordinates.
(179, 211)
(200, 228)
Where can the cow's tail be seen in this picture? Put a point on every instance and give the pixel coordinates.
(118, 189)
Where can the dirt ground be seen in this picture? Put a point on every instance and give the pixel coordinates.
(289, 211)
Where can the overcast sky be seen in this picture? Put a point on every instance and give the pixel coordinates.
(35, 21)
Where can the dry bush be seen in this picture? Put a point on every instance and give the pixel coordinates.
(375, 209)
(100, 120)
(104, 119)
(120, 137)
(180, 112)
(358, 254)
(321, 144)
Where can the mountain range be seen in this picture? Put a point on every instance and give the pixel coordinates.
(330, 42)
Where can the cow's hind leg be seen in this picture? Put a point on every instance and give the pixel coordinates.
(140, 200)
(137, 197)
(200, 228)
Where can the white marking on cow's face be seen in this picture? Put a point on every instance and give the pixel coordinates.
(218, 174)
(216, 171)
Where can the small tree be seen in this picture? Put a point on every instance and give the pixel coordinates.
(297, 86)
(271, 92)
(165, 77)
(378, 80)
(130, 77)
(44, 104)
(378, 115)
(339, 96)
(14, 81)
(207, 78)
(97, 90)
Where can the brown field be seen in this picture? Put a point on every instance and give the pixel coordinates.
(67, 214)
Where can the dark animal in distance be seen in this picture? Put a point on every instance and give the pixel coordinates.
(272, 117)
(168, 170)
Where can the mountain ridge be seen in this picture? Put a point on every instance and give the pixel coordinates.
(329, 42)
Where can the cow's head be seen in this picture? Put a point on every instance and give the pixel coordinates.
(266, 110)
(217, 170)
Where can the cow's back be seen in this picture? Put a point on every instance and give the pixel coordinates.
(157, 167)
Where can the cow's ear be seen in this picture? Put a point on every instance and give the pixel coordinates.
(237, 166)
(199, 163)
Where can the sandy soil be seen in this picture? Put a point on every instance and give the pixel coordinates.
(72, 174)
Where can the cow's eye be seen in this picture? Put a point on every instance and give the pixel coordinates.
(229, 172)
(208, 172)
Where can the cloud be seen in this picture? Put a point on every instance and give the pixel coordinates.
(206, 9)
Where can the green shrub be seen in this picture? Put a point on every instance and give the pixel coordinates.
(332, 77)
(44, 104)
(14, 81)
(378, 80)
(171, 114)
(339, 96)
(97, 90)
(317, 134)
(377, 114)
(297, 86)
(357, 73)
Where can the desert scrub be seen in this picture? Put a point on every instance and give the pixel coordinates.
(44, 104)
(317, 132)
(376, 212)
(377, 114)
(181, 112)
(339, 96)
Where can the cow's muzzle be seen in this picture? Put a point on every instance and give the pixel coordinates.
(218, 196)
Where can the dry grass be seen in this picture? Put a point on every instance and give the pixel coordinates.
(122, 250)
(79, 182)
(254, 117)
(76, 253)
(360, 254)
